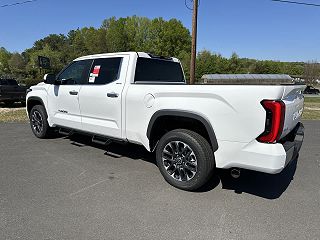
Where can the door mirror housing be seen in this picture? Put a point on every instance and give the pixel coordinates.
(49, 78)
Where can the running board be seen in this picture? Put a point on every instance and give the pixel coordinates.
(65, 132)
(101, 140)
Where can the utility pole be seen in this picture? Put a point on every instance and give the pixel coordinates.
(194, 42)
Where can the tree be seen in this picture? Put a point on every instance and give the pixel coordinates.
(33, 72)
(311, 72)
(160, 37)
(211, 63)
(205, 64)
(86, 41)
(4, 61)
(235, 64)
(53, 41)
(157, 36)
(116, 37)
(169, 38)
(137, 32)
(17, 65)
(184, 58)
(267, 67)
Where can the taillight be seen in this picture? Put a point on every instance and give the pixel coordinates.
(275, 112)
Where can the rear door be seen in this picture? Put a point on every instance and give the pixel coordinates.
(14, 89)
(64, 99)
(101, 98)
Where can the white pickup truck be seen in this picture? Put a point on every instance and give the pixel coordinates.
(140, 98)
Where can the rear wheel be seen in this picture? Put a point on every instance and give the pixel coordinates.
(185, 159)
(38, 121)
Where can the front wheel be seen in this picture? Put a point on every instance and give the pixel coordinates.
(185, 159)
(38, 121)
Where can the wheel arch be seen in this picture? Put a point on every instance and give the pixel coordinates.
(33, 101)
(180, 115)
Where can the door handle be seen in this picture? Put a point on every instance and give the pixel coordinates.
(73, 92)
(112, 95)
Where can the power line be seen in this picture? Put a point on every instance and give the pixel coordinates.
(17, 3)
(299, 3)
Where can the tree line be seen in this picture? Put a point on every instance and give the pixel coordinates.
(157, 36)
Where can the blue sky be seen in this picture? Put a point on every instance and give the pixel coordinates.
(259, 29)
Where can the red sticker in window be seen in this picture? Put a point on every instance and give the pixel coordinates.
(96, 71)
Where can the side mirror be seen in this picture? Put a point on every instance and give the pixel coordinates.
(49, 78)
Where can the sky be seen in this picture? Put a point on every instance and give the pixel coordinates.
(260, 29)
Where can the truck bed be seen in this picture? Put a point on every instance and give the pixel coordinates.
(247, 79)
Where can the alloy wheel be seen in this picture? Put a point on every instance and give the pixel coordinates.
(37, 122)
(179, 160)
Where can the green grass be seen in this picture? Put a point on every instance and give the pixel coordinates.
(311, 108)
(13, 115)
(312, 99)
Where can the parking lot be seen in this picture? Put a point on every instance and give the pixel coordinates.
(70, 188)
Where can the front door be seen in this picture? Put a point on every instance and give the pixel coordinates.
(64, 98)
(101, 98)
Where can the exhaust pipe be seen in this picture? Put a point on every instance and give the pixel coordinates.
(235, 172)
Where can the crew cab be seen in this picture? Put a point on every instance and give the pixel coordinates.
(144, 99)
(11, 91)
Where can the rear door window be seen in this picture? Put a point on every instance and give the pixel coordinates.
(105, 70)
(158, 70)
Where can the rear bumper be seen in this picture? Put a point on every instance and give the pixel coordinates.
(293, 143)
(262, 157)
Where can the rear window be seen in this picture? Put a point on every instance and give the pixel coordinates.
(157, 70)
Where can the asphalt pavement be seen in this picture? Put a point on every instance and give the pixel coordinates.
(70, 188)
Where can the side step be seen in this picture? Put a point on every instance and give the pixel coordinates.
(101, 140)
(65, 132)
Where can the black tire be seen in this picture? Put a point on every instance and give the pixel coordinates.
(203, 159)
(38, 121)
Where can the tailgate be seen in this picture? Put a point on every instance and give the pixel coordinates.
(293, 99)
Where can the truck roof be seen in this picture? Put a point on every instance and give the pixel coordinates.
(139, 54)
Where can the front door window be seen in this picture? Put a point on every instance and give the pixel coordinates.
(76, 73)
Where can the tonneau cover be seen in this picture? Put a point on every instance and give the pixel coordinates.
(247, 79)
